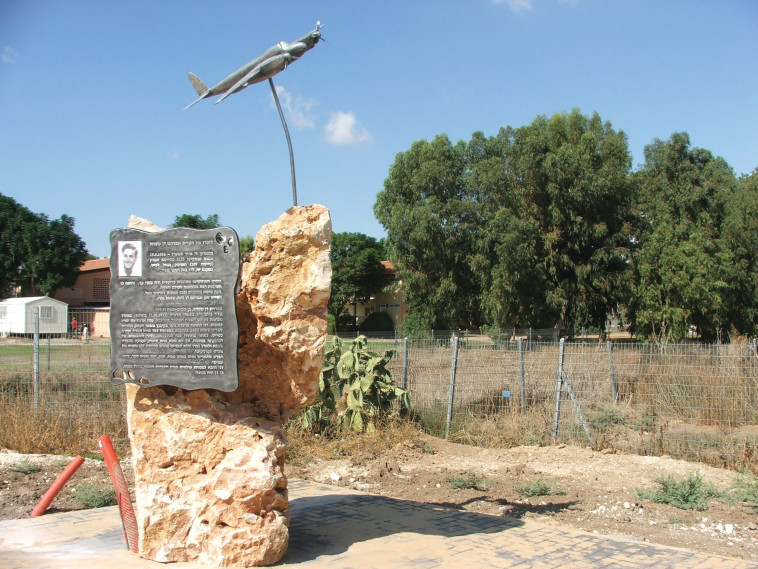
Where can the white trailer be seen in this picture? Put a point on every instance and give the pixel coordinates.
(17, 316)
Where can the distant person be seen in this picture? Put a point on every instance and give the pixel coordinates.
(73, 326)
(130, 265)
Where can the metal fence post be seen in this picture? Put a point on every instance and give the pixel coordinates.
(559, 382)
(35, 361)
(614, 386)
(522, 376)
(451, 392)
(406, 343)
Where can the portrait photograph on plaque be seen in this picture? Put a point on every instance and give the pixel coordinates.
(130, 258)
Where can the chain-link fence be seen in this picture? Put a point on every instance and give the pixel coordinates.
(55, 393)
(687, 400)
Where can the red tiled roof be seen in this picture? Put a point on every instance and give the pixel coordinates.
(95, 265)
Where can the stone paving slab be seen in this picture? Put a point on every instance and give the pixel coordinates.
(337, 528)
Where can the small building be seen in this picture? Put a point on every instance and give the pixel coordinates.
(390, 300)
(89, 299)
(92, 287)
(17, 316)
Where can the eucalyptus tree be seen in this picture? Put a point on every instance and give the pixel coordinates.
(528, 227)
(680, 268)
(561, 235)
(432, 227)
(739, 240)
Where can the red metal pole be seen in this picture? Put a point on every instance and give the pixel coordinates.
(56, 486)
(128, 519)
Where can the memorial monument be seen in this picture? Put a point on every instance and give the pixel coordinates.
(214, 356)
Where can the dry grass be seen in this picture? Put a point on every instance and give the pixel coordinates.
(502, 430)
(303, 446)
(59, 429)
(73, 410)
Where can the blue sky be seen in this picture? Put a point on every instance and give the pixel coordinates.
(91, 95)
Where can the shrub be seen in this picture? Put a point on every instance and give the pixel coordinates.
(24, 467)
(468, 480)
(539, 487)
(304, 447)
(345, 322)
(746, 490)
(690, 493)
(95, 496)
(377, 322)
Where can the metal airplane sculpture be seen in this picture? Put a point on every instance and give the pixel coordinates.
(273, 61)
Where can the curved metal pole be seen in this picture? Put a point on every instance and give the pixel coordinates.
(289, 142)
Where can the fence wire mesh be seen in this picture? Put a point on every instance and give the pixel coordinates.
(687, 400)
(690, 400)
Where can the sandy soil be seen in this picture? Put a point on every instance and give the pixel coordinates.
(599, 489)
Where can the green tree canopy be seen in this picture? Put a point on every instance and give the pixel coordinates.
(739, 245)
(38, 254)
(561, 230)
(196, 221)
(528, 227)
(547, 224)
(432, 229)
(357, 270)
(247, 244)
(680, 266)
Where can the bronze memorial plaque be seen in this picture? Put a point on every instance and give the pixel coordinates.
(173, 318)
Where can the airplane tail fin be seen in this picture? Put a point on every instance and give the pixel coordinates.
(202, 89)
(198, 84)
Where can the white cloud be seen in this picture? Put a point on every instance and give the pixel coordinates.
(296, 109)
(173, 155)
(526, 5)
(9, 55)
(344, 128)
(517, 5)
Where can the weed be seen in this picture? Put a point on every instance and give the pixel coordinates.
(690, 493)
(539, 487)
(468, 480)
(93, 456)
(676, 521)
(95, 496)
(746, 490)
(426, 448)
(606, 418)
(25, 467)
(649, 419)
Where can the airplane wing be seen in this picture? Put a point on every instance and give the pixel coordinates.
(266, 69)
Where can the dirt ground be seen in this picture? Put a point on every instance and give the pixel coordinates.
(599, 489)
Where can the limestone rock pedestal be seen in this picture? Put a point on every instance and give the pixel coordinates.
(209, 473)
